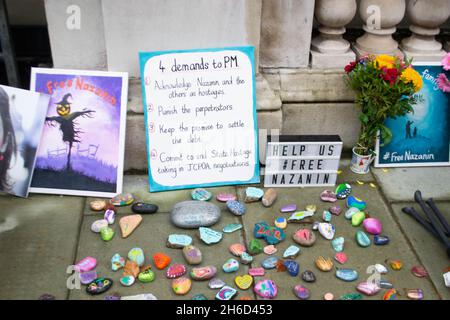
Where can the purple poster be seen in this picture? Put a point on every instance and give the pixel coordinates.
(82, 145)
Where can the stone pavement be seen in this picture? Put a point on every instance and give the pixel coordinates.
(41, 236)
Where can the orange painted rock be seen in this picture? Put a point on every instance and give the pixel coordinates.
(396, 264)
(324, 264)
(181, 286)
(129, 223)
(161, 260)
(131, 268)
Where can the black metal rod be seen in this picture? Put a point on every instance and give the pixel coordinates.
(439, 215)
(413, 214)
(9, 55)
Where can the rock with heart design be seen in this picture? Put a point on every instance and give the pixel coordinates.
(176, 270)
(146, 275)
(246, 258)
(291, 252)
(117, 262)
(308, 276)
(226, 293)
(256, 272)
(127, 281)
(373, 226)
(244, 282)
(272, 235)
(201, 194)
(270, 249)
(192, 255)
(237, 208)
(137, 255)
(327, 230)
(210, 236)
(86, 264)
(347, 275)
(123, 199)
(292, 267)
(324, 264)
(231, 265)
(203, 273)
(341, 257)
(362, 239)
(194, 214)
(266, 289)
(304, 237)
(269, 262)
(98, 225)
(253, 194)
(269, 197)
(355, 202)
(338, 244)
(350, 213)
(237, 249)
(131, 269)
(216, 283)
(181, 286)
(343, 190)
(178, 241)
(129, 223)
(368, 288)
(358, 218)
(161, 260)
(301, 292)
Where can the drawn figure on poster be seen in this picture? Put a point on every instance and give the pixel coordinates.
(408, 129)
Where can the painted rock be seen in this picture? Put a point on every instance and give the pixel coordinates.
(354, 202)
(127, 281)
(347, 275)
(280, 267)
(137, 255)
(97, 205)
(328, 196)
(315, 225)
(201, 194)
(446, 276)
(86, 264)
(255, 247)
(131, 269)
(146, 276)
(244, 298)
(224, 197)
(350, 213)
(362, 239)
(396, 264)
(372, 226)
(181, 286)
(269, 197)
(272, 235)
(327, 230)
(192, 255)
(203, 273)
(281, 222)
(178, 241)
(301, 292)
(338, 244)
(98, 225)
(144, 208)
(343, 190)
(311, 207)
(292, 267)
(288, 208)
(142, 296)
(129, 223)
(231, 265)
(107, 233)
(335, 210)
(340, 257)
(232, 227)
(358, 218)
(266, 289)
(381, 240)
(304, 237)
(117, 262)
(379, 268)
(291, 252)
(300, 215)
(88, 276)
(415, 294)
(246, 258)
(237, 208)
(216, 283)
(112, 297)
(391, 294)
(269, 250)
(194, 214)
(308, 276)
(328, 296)
(256, 272)
(226, 293)
(419, 271)
(326, 216)
(351, 296)
(244, 282)
(199, 296)
(324, 264)
(161, 260)
(123, 199)
(368, 288)
(253, 194)
(110, 216)
(99, 286)
(385, 284)
(176, 270)
(269, 263)
(209, 236)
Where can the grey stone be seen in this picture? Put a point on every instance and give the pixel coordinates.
(194, 214)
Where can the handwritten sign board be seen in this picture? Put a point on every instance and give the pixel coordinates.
(301, 161)
(200, 117)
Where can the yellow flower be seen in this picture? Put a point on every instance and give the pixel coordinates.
(411, 75)
(385, 61)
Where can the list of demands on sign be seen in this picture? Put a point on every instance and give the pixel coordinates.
(200, 117)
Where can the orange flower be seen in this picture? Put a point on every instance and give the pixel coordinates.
(411, 75)
(385, 61)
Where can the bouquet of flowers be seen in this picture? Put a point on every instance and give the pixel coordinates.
(385, 87)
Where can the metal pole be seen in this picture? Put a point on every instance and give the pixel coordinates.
(9, 56)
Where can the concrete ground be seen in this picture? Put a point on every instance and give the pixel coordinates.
(43, 235)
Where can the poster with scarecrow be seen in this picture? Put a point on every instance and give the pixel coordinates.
(82, 145)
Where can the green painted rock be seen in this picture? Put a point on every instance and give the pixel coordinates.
(362, 239)
(358, 218)
(146, 276)
(255, 247)
(351, 296)
(107, 233)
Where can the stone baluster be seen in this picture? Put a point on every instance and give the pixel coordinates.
(425, 17)
(330, 49)
(380, 18)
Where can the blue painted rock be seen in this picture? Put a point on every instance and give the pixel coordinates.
(272, 235)
(192, 255)
(281, 222)
(226, 293)
(269, 263)
(291, 252)
(381, 240)
(269, 197)
(246, 258)
(326, 216)
(350, 213)
(253, 194)
(237, 208)
(232, 227)
(194, 214)
(201, 194)
(347, 274)
(338, 244)
(300, 215)
(99, 286)
(178, 241)
(117, 262)
(362, 239)
(308, 276)
(288, 208)
(343, 190)
(385, 284)
(292, 267)
(127, 281)
(354, 202)
(199, 296)
(231, 265)
(209, 236)
(327, 230)
(137, 255)
(216, 283)
(301, 292)
(266, 289)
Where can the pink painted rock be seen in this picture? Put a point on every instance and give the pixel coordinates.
(336, 210)
(266, 289)
(341, 257)
(86, 264)
(237, 249)
(304, 237)
(256, 272)
(271, 249)
(372, 226)
(176, 270)
(203, 273)
(224, 197)
(368, 288)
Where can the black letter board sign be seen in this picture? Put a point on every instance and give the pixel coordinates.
(301, 161)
